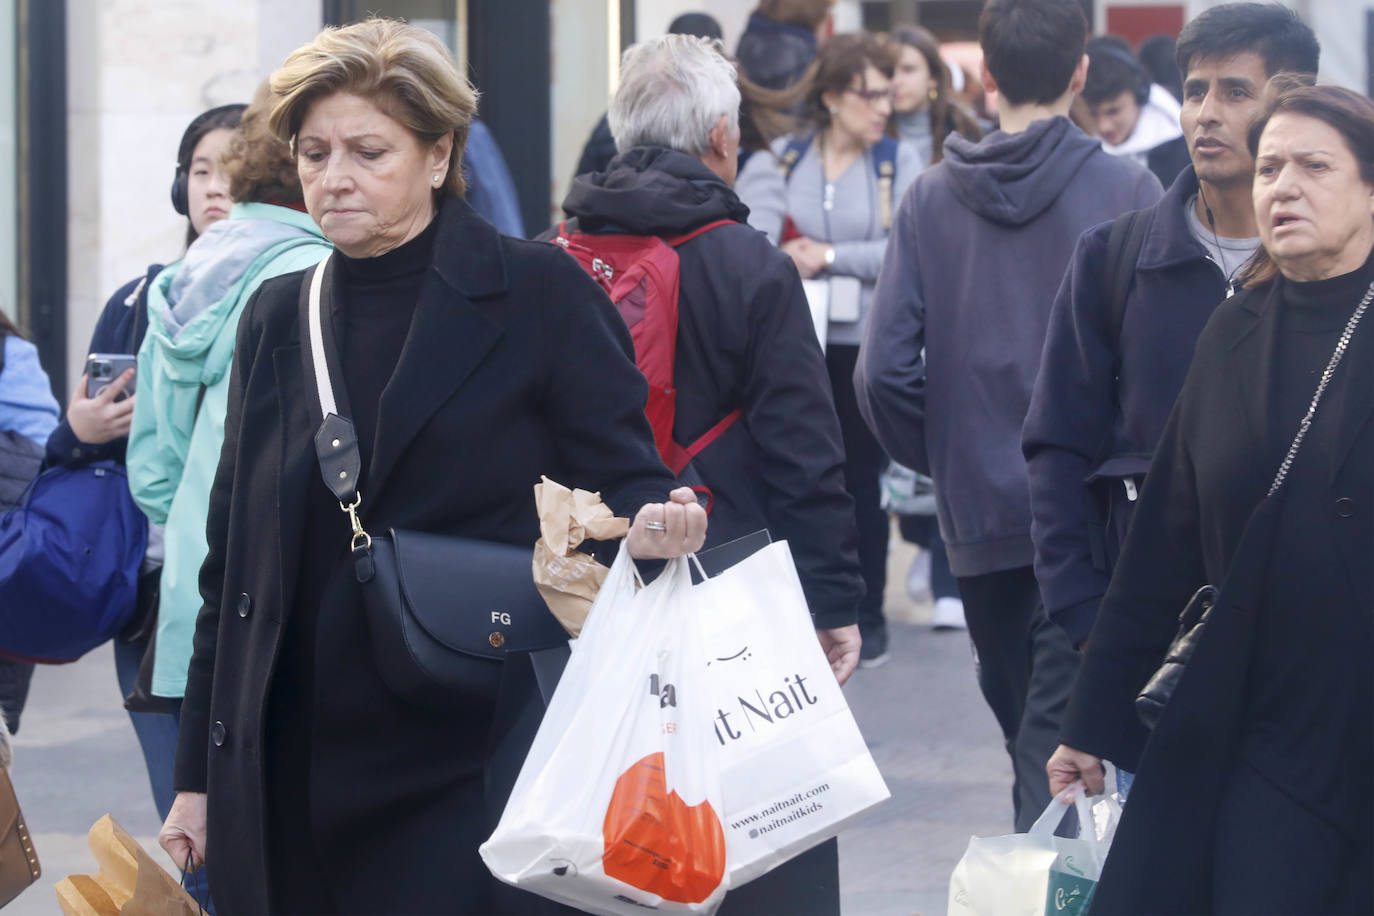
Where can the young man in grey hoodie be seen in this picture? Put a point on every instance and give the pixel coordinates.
(953, 345)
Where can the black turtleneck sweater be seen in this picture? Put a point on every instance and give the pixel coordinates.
(371, 318)
(371, 313)
(1311, 695)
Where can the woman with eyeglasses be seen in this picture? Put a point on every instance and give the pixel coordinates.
(827, 197)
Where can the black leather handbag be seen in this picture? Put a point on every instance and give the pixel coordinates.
(1150, 703)
(442, 611)
(1149, 706)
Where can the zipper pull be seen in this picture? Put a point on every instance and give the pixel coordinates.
(1131, 493)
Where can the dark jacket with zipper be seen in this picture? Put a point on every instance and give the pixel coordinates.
(745, 340)
(516, 365)
(1100, 401)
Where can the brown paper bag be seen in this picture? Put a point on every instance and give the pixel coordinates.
(568, 578)
(129, 882)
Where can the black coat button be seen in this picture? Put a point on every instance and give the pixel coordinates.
(1345, 507)
(218, 734)
(245, 604)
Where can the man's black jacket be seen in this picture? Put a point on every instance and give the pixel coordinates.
(1100, 402)
(745, 340)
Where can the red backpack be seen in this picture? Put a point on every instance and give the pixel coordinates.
(640, 274)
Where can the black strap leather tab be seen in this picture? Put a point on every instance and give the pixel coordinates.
(336, 446)
(364, 566)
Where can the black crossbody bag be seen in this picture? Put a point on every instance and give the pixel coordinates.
(441, 609)
(1149, 705)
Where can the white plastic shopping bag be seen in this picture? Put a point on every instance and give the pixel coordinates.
(617, 807)
(795, 768)
(1037, 873)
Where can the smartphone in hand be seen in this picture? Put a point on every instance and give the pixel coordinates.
(103, 368)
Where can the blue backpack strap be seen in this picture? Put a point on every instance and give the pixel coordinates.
(885, 167)
(797, 145)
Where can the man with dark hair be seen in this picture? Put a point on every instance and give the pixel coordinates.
(1124, 324)
(977, 251)
(1133, 116)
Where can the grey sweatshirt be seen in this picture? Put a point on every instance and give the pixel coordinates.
(853, 226)
(953, 344)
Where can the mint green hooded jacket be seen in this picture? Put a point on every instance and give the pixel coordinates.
(193, 314)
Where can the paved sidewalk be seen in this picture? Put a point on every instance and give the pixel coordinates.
(935, 741)
(939, 748)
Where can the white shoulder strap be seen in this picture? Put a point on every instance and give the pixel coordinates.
(323, 385)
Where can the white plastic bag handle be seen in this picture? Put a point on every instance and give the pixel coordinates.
(1048, 822)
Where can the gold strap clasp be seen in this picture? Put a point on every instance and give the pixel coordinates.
(360, 537)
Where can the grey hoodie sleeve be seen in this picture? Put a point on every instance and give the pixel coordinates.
(890, 377)
(761, 187)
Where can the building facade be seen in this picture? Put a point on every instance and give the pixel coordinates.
(93, 108)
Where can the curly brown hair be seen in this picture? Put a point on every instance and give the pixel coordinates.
(259, 164)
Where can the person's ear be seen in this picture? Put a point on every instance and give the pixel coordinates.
(440, 153)
(719, 138)
(985, 77)
(1080, 76)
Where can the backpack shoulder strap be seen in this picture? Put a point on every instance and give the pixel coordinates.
(677, 240)
(1123, 252)
(797, 145)
(885, 168)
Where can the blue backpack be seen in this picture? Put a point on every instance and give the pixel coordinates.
(70, 553)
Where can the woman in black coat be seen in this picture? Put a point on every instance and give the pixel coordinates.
(1252, 793)
(472, 364)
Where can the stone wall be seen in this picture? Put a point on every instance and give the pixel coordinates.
(138, 71)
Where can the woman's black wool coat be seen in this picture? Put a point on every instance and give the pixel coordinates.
(516, 365)
(1212, 469)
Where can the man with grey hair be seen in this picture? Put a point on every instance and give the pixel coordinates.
(745, 342)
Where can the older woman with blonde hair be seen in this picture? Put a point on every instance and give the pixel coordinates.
(470, 364)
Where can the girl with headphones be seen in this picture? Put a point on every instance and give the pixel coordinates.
(97, 427)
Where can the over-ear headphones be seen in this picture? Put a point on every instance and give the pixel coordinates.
(221, 116)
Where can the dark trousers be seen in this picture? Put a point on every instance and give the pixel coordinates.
(807, 885)
(924, 531)
(157, 734)
(863, 463)
(1273, 855)
(1026, 670)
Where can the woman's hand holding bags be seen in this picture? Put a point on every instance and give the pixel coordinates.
(1037, 873)
(662, 531)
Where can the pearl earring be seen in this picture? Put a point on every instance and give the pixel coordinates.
(436, 178)
(834, 108)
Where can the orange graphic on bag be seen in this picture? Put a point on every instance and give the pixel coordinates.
(657, 842)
